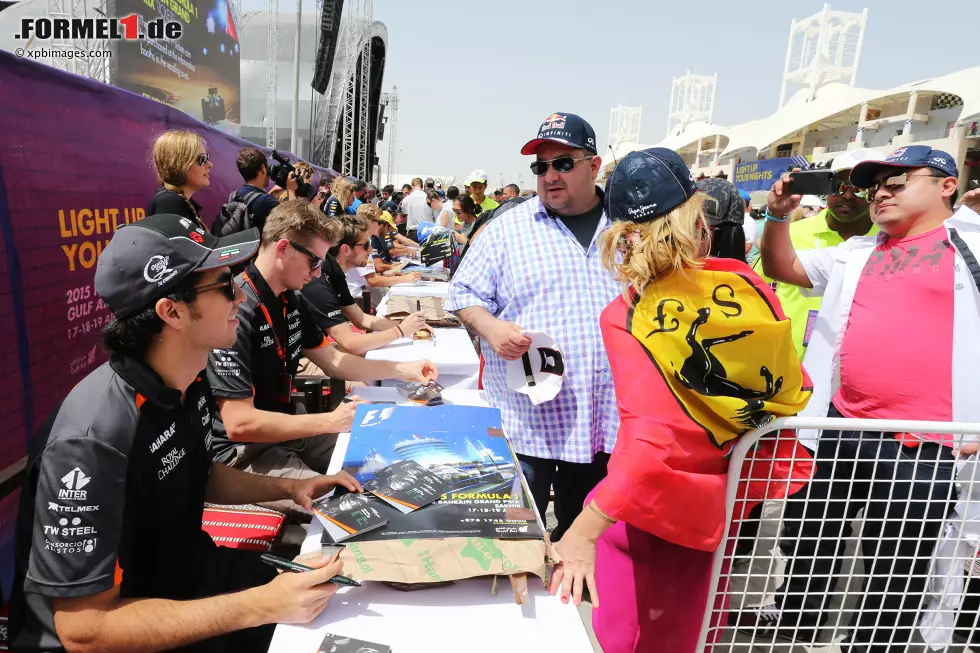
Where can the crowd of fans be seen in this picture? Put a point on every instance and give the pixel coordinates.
(110, 551)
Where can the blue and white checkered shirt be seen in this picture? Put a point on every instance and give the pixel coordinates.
(529, 269)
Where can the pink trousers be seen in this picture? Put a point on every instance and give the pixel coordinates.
(652, 593)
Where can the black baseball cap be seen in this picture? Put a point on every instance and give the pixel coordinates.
(648, 184)
(146, 260)
(565, 128)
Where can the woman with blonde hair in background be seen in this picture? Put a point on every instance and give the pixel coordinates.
(700, 354)
(341, 197)
(183, 168)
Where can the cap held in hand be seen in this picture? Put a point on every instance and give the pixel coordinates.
(540, 371)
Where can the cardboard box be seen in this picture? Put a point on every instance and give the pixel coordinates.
(438, 560)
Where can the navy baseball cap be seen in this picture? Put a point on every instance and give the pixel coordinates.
(146, 260)
(648, 184)
(912, 156)
(565, 128)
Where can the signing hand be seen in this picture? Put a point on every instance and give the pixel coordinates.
(422, 371)
(298, 598)
(507, 340)
(413, 323)
(781, 202)
(306, 490)
(341, 419)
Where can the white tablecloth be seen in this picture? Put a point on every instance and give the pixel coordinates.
(451, 350)
(460, 617)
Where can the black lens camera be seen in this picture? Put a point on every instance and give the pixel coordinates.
(280, 172)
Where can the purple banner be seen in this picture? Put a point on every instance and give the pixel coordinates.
(75, 165)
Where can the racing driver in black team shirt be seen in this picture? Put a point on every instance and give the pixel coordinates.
(109, 551)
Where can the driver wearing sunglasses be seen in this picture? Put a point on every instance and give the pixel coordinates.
(260, 429)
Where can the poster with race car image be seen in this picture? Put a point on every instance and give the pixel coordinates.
(198, 73)
(484, 493)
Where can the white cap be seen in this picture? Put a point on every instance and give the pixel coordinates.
(539, 372)
(478, 175)
(851, 158)
(813, 201)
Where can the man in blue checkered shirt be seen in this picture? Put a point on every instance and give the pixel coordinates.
(537, 267)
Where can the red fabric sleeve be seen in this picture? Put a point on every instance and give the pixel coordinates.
(653, 482)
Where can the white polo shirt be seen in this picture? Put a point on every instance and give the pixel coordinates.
(417, 209)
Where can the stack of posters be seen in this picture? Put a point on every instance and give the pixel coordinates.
(483, 520)
(346, 515)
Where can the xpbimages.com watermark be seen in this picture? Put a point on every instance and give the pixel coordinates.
(44, 53)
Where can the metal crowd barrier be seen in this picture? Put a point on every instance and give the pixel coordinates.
(876, 554)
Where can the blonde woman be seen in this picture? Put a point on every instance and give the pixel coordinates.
(700, 354)
(183, 168)
(341, 197)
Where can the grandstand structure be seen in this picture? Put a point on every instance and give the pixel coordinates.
(827, 114)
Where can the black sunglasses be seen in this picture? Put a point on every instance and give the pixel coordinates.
(226, 286)
(366, 246)
(560, 164)
(202, 159)
(315, 261)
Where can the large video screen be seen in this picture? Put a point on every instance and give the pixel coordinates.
(199, 73)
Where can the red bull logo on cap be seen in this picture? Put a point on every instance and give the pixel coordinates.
(554, 121)
(897, 154)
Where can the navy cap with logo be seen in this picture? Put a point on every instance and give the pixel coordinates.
(648, 184)
(146, 260)
(565, 128)
(913, 156)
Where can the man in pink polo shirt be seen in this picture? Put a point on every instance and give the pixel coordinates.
(896, 328)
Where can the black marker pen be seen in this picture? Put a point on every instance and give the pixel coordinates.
(288, 565)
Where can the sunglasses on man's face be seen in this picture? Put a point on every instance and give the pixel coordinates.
(226, 285)
(315, 261)
(896, 183)
(843, 187)
(366, 246)
(202, 159)
(560, 164)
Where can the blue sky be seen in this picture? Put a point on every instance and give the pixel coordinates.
(474, 86)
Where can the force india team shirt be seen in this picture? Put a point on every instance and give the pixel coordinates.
(896, 357)
(272, 332)
(328, 295)
(116, 497)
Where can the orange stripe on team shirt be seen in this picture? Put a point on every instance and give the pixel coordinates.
(117, 577)
(140, 400)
